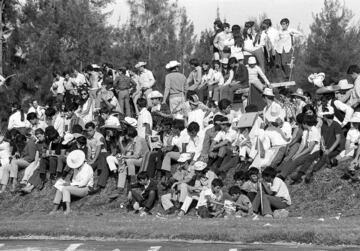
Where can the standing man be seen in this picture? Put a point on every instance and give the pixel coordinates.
(57, 88)
(146, 82)
(217, 28)
(123, 84)
(175, 86)
(284, 47)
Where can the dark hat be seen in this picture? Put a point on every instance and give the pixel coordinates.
(249, 24)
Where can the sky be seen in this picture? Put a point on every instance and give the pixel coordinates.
(203, 12)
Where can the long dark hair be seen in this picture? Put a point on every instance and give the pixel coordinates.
(245, 33)
(238, 37)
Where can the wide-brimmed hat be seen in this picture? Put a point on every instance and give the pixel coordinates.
(252, 60)
(224, 61)
(299, 93)
(130, 121)
(75, 159)
(199, 166)
(317, 79)
(155, 94)
(355, 117)
(172, 64)
(344, 85)
(268, 92)
(68, 138)
(327, 89)
(139, 64)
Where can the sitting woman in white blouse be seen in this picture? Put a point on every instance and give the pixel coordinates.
(82, 181)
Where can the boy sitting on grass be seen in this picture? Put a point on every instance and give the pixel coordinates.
(243, 206)
(209, 199)
(251, 185)
(146, 197)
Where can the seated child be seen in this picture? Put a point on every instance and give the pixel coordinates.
(209, 199)
(240, 178)
(242, 203)
(146, 197)
(251, 185)
(352, 139)
(275, 194)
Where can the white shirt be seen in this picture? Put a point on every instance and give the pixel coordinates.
(194, 145)
(5, 153)
(204, 194)
(275, 137)
(274, 110)
(346, 109)
(279, 187)
(355, 93)
(144, 118)
(112, 121)
(59, 124)
(230, 136)
(58, 86)
(146, 79)
(197, 116)
(284, 43)
(218, 78)
(15, 121)
(287, 129)
(83, 176)
(312, 135)
(208, 77)
(271, 33)
(79, 80)
(353, 136)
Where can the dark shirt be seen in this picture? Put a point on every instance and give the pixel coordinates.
(123, 82)
(29, 151)
(329, 134)
(241, 74)
(153, 186)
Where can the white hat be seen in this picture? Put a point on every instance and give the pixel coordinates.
(112, 122)
(172, 64)
(355, 117)
(139, 64)
(317, 79)
(327, 89)
(299, 93)
(155, 94)
(268, 92)
(224, 61)
(329, 112)
(199, 165)
(75, 159)
(68, 138)
(273, 115)
(131, 121)
(239, 56)
(344, 85)
(252, 60)
(95, 66)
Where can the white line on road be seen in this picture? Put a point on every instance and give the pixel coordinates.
(73, 247)
(233, 249)
(154, 248)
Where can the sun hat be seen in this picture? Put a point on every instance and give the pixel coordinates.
(172, 64)
(75, 159)
(355, 117)
(344, 85)
(224, 61)
(268, 92)
(155, 94)
(317, 79)
(329, 112)
(131, 121)
(327, 89)
(252, 60)
(139, 64)
(299, 93)
(199, 165)
(68, 138)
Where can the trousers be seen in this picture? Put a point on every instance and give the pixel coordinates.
(67, 191)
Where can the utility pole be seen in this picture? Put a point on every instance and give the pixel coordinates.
(1, 36)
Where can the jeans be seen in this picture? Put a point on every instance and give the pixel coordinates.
(101, 165)
(124, 101)
(268, 202)
(305, 161)
(166, 163)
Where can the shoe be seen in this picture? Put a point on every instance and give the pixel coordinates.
(268, 216)
(93, 191)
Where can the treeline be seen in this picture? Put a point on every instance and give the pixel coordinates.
(42, 36)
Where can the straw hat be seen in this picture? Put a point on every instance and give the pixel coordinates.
(355, 117)
(268, 92)
(172, 64)
(131, 121)
(199, 165)
(299, 93)
(68, 138)
(344, 85)
(317, 79)
(224, 61)
(155, 94)
(75, 159)
(252, 60)
(327, 89)
(139, 64)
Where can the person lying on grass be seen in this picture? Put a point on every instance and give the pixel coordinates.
(144, 199)
(82, 180)
(273, 194)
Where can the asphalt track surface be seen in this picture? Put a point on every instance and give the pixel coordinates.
(133, 245)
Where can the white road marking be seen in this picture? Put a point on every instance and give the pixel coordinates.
(116, 249)
(1, 245)
(233, 249)
(154, 248)
(73, 247)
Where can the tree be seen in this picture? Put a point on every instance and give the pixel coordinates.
(332, 42)
(203, 48)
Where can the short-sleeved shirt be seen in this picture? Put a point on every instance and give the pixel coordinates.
(198, 116)
(230, 136)
(275, 137)
(279, 187)
(144, 118)
(353, 136)
(250, 187)
(97, 140)
(329, 133)
(244, 201)
(313, 135)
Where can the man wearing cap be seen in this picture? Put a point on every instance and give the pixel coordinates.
(146, 82)
(284, 47)
(354, 72)
(176, 86)
(123, 84)
(82, 180)
(272, 109)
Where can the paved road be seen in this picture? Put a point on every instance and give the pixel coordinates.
(55, 245)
